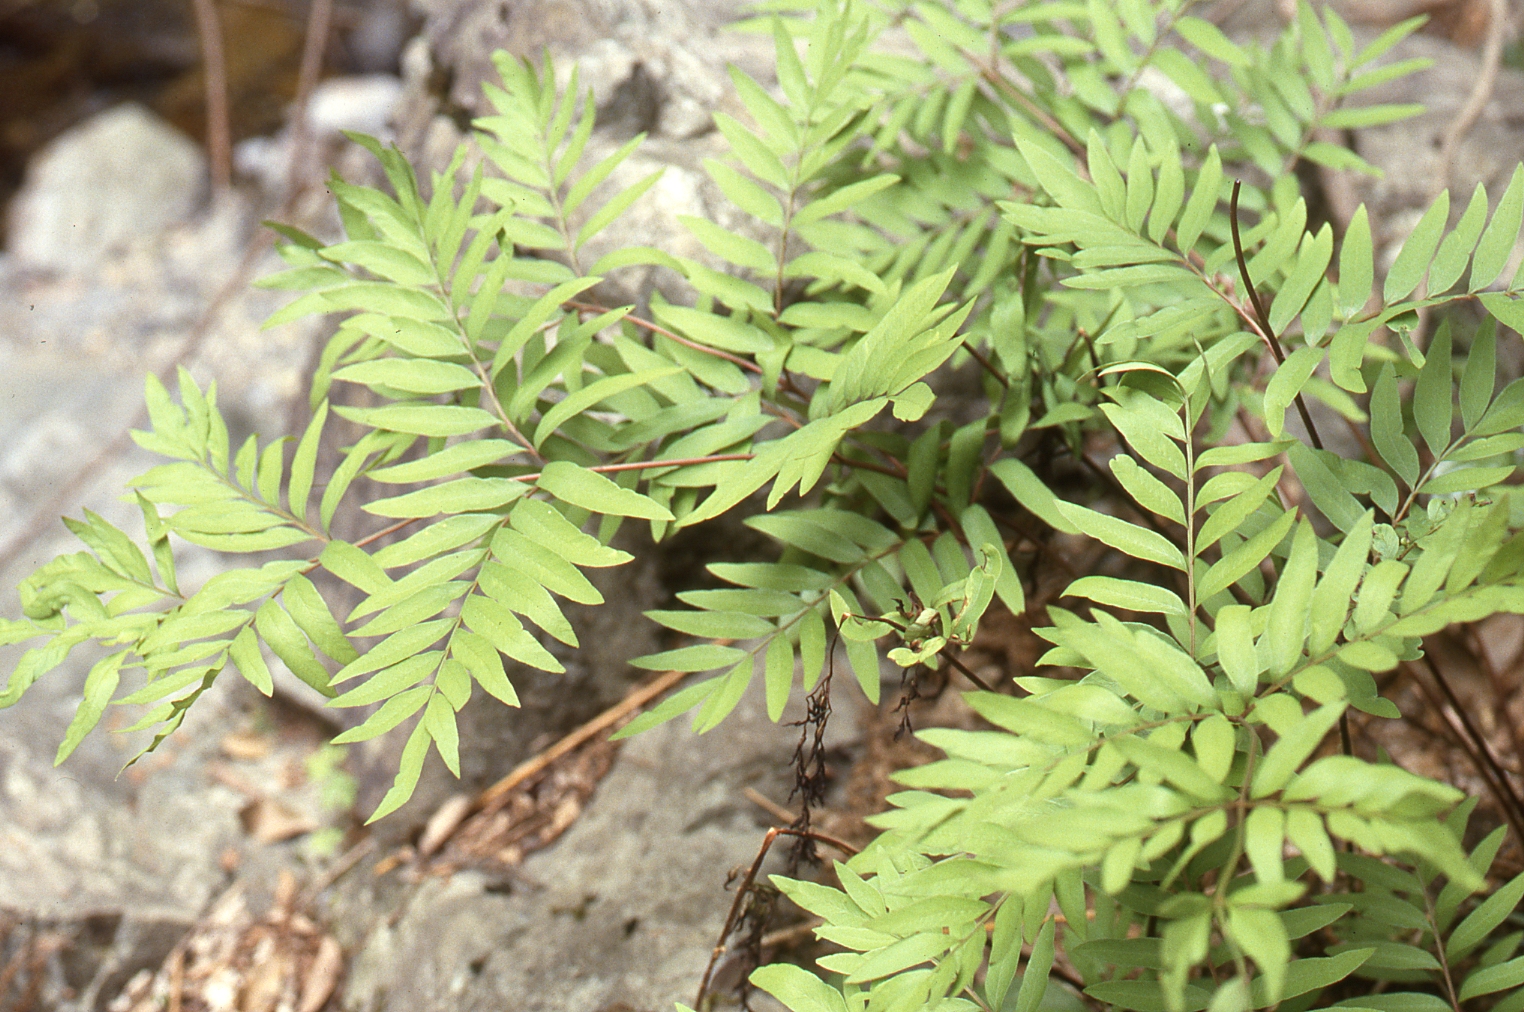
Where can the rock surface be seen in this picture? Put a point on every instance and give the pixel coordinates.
(654, 66)
(622, 909)
(122, 175)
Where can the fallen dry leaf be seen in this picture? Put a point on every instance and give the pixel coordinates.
(235, 960)
(446, 818)
(269, 821)
(246, 746)
(263, 988)
(322, 976)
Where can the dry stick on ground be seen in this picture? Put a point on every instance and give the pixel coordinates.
(176, 978)
(744, 889)
(319, 24)
(219, 133)
(768, 805)
(607, 719)
(1508, 798)
(42, 520)
(1459, 739)
(343, 866)
(1500, 690)
(787, 936)
(1474, 746)
(1481, 94)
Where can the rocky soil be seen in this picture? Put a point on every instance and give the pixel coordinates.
(226, 871)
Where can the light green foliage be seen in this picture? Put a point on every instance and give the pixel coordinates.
(1012, 203)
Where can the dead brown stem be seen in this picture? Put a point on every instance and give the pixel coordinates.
(319, 25)
(219, 132)
(1476, 748)
(744, 889)
(1476, 101)
(608, 718)
(1501, 691)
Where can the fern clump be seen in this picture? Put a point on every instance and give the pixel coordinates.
(1160, 813)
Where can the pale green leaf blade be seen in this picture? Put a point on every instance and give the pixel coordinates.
(304, 464)
(1413, 261)
(413, 754)
(1502, 234)
(592, 491)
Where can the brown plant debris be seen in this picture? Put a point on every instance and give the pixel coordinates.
(25, 950)
(530, 816)
(534, 804)
(235, 961)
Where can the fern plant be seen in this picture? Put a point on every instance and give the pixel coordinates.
(1063, 201)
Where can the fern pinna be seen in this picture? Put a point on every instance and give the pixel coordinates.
(1060, 201)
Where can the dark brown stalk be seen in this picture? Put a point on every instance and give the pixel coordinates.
(989, 366)
(744, 890)
(219, 132)
(319, 25)
(1039, 547)
(1481, 753)
(964, 670)
(1266, 331)
(1500, 690)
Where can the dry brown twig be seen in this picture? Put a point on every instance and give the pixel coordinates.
(219, 132)
(607, 719)
(319, 25)
(768, 805)
(1471, 741)
(1476, 101)
(743, 890)
(1502, 692)
(177, 978)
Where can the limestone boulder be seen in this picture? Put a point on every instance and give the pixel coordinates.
(124, 175)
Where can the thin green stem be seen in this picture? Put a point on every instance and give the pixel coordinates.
(1190, 521)
(300, 523)
(788, 219)
(646, 465)
(1230, 867)
(1439, 952)
(483, 374)
(1423, 479)
(553, 194)
(656, 328)
(1148, 54)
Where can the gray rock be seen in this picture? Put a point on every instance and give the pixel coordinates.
(120, 865)
(362, 103)
(654, 66)
(354, 103)
(659, 68)
(383, 29)
(1407, 153)
(120, 176)
(624, 908)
